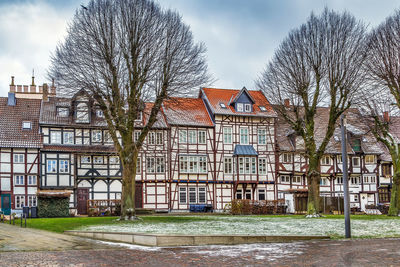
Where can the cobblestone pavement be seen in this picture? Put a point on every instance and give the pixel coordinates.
(30, 247)
(371, 252)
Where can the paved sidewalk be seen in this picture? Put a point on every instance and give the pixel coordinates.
(15, 238)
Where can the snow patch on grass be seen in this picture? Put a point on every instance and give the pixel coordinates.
(250, 225)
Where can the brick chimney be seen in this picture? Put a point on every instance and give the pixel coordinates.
(287, 102)
(12, 85)
(45, 92)
(386, 117)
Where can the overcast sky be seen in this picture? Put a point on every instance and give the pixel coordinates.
(240, 35)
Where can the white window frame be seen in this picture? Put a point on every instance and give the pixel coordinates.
(32, 180)
(82, 112)
(136, 135)
(192, 137)
(68, 137)
(239, 107)
(99, 113)
(353, 159)
(151, 138)
(32, 201)
(297, 179)
(150, 165)
(26, 125)
(55, 137)
(98, 160)
(160, 165)
(339, 180)
(201, 191)
(261, 191)
(19, 158)
(183, 136)
(326, 160)
(19, 201)
(368, 159)
(324, 181)
(287, 157)
(244, 135)
(262, 136)
(193, 164)
(138, 165)
(228, 165)
(227, 133)
(53, 164)
(182, 195)
(114, 160)
(355, 180)
(247, 107)
(262, 166)
(192, 192)
(159, 138)
(86, 159)
(62, 112)
(97, 136)
(284, 178)
(19, 179)
(63, 166)
(202, 135)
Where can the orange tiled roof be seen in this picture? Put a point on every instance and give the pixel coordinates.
(216, 96)
(186, 111)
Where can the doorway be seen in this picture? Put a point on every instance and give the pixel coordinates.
(6, 204)
(82, 197)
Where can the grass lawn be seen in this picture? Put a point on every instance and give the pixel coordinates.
(363, 226)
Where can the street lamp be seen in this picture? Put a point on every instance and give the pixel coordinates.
(345, 178)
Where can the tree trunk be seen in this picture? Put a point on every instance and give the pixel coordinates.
(128, 191)
(313, 181)
(395, 193)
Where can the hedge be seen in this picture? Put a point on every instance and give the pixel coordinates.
(53, 207)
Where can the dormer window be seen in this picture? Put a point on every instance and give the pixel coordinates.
(247, 107)
(26, 125)
(62, 112)
(139, 117)
(239, 107)
(82, 112)
(262, 108)
(356, 145)
(222, 105)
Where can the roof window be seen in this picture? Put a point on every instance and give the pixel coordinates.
(26, 125)
(222, 105)
(62, 112)
(262, 108)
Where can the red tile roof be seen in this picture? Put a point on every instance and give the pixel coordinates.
(187, 111)
(216, 96)
(11, 118)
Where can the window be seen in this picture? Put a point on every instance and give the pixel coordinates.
(193, 164)
(262, 166)
(241, 165)
(192, 137)
(202, 137)
(248, 194)
(32, 201)
(151, 138)
(19, 180)
(239, 107)
(62, 112)
(386, 170)
(138, 165)
(159, 138)
(51, 166)
(182, 195)
(383, 195)
(356, 145)
(150, 165)
(139, 116)
(182, 136)
(287, 158)
(55, 137)
(239, 194)
(262, 136)
(107, 137)
(64, 166)
(19, 202)
(86, 159)
(244, 136)
(97, 136)
(297, 179)
(202, 195)
(227, 135)
(228, 165)
(160, 165)
(137, 134)
(355, 180)
(356, 161)
(247, 165)
(82, 113)
(262, 108)
(285, 178)
(339, 158)
(26, 125)
(192, 195)
(68, 137)
(222, 105)
(324, 182)
(355, 197)
(339, 180)
(326, 160)
(247, 107)
(261, 194)
(32, 180)
(369, 179)
(19, 158)
(98, 160)
(114, 160)
(99, 113)
(370, 159)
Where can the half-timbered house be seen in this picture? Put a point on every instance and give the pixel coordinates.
(20, 142)
(244, 142)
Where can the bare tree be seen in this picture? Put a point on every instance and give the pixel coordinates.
(381, 95)
(317, 64)
(125, 53)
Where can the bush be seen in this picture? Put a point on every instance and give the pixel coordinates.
(53, 207)
(247, 207)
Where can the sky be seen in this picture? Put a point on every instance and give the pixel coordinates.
(240, 35)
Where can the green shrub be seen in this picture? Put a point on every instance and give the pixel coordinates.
(53, 207)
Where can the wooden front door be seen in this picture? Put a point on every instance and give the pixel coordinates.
(82, 197)
(6, 204)
(138, 195)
